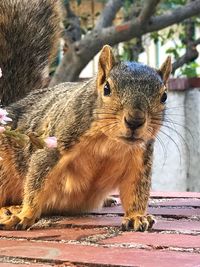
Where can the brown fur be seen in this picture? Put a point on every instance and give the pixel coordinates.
(97, 150)
(21, 25)
(85, 176)
(10, 192)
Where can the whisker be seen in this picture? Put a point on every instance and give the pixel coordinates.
(175, 114)
(174, 123)
(102, 119)
(182, 138)
(168, 120)
(159, 124)
(103, 113)
(107, 109)
(110, 128)
(176, 145)
(175, 107)
(109, 124)
(161, 144)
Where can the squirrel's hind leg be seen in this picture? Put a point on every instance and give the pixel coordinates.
(35, 193)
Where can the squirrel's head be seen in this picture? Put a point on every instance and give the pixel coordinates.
(131, 98)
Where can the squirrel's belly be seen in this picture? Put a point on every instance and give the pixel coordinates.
(84, 186)
(84, 182)
(77, 195)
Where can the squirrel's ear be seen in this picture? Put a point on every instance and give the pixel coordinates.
(106, 63)
(166, 69)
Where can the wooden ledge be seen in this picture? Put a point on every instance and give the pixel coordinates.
(182, 84)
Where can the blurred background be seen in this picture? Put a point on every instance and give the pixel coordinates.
(144, 31)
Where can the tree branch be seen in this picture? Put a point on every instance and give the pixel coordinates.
(196, 42)
(130, 29)
(108, 14)
(73, 28)
(190, 55)
(176, 16)
(189, 40)
(85, 49)
(148, 10)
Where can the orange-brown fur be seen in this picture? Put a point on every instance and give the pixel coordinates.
(73, 189)
(98, 151)
(11, 188)
(94, 166)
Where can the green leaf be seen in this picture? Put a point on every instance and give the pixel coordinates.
(190, 70)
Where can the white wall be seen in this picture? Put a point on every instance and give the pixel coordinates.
(177, 166)
(192, 114)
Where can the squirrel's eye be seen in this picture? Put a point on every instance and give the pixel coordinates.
(163, 98)
(107, 89)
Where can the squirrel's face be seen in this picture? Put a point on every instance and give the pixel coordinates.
(131, 99)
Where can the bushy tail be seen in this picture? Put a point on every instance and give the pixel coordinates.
(29, 35)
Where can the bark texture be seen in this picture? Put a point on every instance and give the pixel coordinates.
(82, 51)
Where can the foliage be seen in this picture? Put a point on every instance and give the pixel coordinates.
(190, 70)
(177, 36)
(172, 21)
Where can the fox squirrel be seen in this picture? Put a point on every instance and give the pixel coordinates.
(105, 127)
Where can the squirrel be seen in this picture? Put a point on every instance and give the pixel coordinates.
(29, 37)
(105, 127)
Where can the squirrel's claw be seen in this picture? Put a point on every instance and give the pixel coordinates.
(9, 223)
(138, 223)
(110, 202)
(14, 222)
(25, 223)
(12, 218)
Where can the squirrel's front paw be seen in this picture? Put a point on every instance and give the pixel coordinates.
(137, 223)
(18, 221)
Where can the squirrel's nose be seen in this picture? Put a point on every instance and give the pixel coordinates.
(134, 121)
